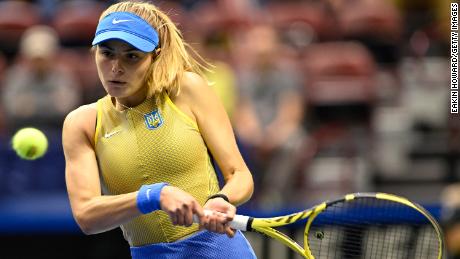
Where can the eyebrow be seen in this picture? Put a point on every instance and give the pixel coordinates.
(103, 45)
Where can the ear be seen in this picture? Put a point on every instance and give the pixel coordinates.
(156, 53)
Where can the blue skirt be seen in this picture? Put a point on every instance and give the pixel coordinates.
(202, 245)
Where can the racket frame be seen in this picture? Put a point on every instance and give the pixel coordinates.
(266, 225)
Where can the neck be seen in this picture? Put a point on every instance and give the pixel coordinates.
(122, 103)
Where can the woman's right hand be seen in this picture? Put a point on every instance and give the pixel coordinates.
(180, 206)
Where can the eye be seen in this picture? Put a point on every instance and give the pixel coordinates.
(106, 53)
(133, 56)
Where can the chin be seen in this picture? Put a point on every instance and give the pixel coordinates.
(115, 92)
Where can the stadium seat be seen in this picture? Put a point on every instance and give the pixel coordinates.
(15, 18)
(339, 73)
(76, 21)
(377, 24)
(313, 17)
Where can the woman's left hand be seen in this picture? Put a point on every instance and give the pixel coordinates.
(224, 212)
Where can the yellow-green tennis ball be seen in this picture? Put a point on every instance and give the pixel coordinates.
(30, 143)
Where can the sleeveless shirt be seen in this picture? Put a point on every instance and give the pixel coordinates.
(148, 144)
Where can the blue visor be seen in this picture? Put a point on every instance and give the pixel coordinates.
(127, 27)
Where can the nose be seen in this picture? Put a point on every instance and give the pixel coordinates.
(116, 66)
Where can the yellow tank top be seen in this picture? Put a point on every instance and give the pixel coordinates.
(149, 144)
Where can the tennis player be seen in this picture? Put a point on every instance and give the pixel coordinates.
(139, 158)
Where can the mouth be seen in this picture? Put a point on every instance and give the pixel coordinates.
(116, 82)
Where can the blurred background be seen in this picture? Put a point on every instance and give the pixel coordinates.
(326, 97)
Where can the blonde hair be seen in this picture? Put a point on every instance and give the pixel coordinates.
(168, 68)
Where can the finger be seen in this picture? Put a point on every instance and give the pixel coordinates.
(223, 218)
(227, 216)
(173, 218)
(220, 220)
(198, 210)
(179, 217)
(220, 217)
(188, 217)
(230, 232)
(220, 228)
(204, 223)
(231, 212)
(184, 219)
(212, 226)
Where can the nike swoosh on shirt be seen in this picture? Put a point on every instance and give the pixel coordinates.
(115, 21)
(110, 134)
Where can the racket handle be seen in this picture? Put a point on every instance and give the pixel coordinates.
(239, 222)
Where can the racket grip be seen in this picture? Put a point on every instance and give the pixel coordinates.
(239, 222)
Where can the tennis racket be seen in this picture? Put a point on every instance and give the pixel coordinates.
(360, 225)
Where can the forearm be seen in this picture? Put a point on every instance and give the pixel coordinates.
(104, 213)
(238, 187)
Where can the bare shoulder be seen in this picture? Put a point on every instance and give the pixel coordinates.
(81, 122)
(193, 96)
(82, 115)
(193, 88)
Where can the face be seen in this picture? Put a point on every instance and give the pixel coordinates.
(122, 70)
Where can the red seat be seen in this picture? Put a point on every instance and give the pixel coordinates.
(76, 21)
(223, 15)
(339, 73)
(15, 18)
(312, 16)
(371, 18)
(3, 66)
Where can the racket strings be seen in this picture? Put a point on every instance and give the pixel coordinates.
(372, 228)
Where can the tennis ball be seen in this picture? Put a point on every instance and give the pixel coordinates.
(30, 143)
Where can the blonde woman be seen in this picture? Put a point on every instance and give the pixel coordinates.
(139, 158)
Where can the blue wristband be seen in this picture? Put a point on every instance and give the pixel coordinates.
(148, 197)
